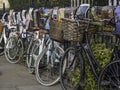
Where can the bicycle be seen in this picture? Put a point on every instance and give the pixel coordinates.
(109, 77)
(16, 46)
(38, 45)
(8, 30)
(72, 65)
(48, 61)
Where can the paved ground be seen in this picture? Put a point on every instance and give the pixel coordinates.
(16, 77)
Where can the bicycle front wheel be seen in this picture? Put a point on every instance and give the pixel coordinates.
(48, 66)
(71, 70)
(13, 49)
(2, 43)
(109, 78)
(33, 55)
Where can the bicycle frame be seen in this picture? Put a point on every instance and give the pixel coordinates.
(115, 53)
(41, 46)
(3, 36)
(48, 46)
(9, 26)
(90, 56)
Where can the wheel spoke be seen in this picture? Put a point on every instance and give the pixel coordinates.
(110, 75)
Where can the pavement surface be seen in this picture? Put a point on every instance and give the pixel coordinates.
(17, 77)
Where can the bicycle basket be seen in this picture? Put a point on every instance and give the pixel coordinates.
(56, 31)
(73, 31)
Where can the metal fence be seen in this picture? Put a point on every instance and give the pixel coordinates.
(76, 3)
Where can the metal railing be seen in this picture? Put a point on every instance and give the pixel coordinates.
(76, 3)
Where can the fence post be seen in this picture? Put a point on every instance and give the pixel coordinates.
(81, 1)
(71, 3)
(115, 3)
(78, 3)
(74, 3)
(110, 2)
(3, 7)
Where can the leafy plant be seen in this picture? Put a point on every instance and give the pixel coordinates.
(102, 55)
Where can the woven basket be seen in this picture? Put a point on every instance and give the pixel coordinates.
(73, 31)
(1, 27)
(56, 31)
(108, 28)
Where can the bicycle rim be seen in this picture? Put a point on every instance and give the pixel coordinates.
(13, 50)
(70, 71)
(47, 73)
(109, 78)
(29, 52)
(33, 56)
(2, 47)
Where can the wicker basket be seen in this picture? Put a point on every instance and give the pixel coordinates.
(73, 31)
(56, 31)
(108, 28)
(1, 27)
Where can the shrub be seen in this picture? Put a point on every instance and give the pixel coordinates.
(102, 55)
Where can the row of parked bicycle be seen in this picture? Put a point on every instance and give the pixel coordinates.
(25, 37)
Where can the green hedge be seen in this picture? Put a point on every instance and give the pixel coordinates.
(102, 55)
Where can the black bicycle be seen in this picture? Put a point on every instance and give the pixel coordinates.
(73, 65)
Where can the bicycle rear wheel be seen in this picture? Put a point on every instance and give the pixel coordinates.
(71, 70)
(109, 78)
(13, 49)
(48, 66)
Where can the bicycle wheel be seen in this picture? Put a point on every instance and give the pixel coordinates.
(5, 32)
(48, 66)
(28, 52)
(2, 43)
(71, 70)
(2, 47)
(109, 78)
(32, 58)
(13, 49)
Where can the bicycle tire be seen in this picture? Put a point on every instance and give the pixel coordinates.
(13, 49)
(2, 47)
(109, 78)
(33, 56)
(2, 42)
(71, 70)
(40, 65)
(28, 52)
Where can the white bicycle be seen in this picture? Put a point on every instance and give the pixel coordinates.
(6, 32)
(48, 63)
